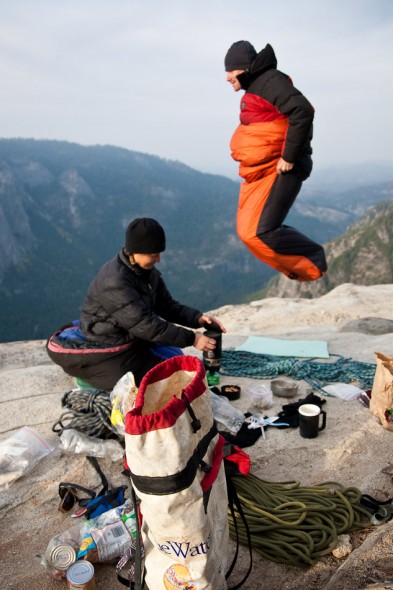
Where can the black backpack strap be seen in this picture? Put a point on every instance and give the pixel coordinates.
(233, 500)
(135, 581)
(102, 475)
(139, 583)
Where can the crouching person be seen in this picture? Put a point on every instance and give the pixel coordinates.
(129, 319)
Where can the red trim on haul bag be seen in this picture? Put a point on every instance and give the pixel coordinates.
(218, 456)
(136, 423)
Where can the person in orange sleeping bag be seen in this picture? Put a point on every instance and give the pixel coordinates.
(273, 147)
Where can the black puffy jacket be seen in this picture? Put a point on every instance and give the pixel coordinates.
(125, 303)
(263, 79)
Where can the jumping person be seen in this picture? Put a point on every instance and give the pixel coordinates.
(273, 146)
(129, 320)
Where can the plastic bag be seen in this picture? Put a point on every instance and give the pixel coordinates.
(344, 391)
(123, 398)
(261, 396)
(70, 540)
(111, 535)
(20, 453)
(381, 402)
(225, 413)
(73, 441)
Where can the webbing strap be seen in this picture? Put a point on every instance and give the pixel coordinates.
(136, 574)
(138, 584)
(171, 484)
(103, 478)
(195, 422)
(233, 500)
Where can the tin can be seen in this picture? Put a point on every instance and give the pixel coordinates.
(62, 557)
(80, 576)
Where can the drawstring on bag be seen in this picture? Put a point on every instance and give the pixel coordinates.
(195, 422)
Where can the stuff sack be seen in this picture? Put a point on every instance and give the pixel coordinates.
(381, 402)
(175, 457)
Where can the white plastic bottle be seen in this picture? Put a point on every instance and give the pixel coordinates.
(73, 441)
(225, 413)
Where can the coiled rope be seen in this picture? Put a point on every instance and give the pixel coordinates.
(316, 373)
(292, 524)
(87, 411)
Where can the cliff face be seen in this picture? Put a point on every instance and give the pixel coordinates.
(63, 213)
(363, 256)
(64, 209)
(16, 235)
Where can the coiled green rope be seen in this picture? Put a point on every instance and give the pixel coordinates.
(87, 411)
(292, 524)
(316, 373)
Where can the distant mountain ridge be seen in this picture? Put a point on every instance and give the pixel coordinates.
(362, 256)
(64, 208)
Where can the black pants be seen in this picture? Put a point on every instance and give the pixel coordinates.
(284, 239)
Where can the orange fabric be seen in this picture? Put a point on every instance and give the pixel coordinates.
(257, 147)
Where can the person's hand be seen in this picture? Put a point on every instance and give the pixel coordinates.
(283, 166)
(204, 343)
(206, 321)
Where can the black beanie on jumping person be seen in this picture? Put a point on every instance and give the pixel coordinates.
(239, 56)
(144, 236)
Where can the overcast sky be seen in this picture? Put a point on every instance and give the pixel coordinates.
(148, 75)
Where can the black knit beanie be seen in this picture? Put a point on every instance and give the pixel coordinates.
(240, 56)
(145, 236)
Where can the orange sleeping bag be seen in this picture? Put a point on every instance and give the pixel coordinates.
(258, 147)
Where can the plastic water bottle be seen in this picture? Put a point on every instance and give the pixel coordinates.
(73, 441)
(225, 413)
